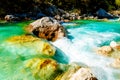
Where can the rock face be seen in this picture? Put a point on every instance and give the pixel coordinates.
(47, 28)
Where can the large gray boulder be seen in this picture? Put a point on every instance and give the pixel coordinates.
(47, 28)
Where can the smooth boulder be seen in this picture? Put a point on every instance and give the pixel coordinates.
(104, 50)
(47, 28)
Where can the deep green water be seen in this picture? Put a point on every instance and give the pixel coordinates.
(12, 29)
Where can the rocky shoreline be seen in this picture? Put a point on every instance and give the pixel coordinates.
(49, 10)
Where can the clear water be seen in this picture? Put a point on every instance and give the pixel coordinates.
(83, 38)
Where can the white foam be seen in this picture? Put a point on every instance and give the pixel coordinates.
(81, 49)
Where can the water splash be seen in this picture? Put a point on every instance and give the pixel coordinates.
(85, 39)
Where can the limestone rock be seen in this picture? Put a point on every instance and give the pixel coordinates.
(11, 18)
(105, 50)
(83, 74)
(47, 28)
(75, 72)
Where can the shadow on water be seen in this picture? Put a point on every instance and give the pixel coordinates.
(60, 56)
(70, 37)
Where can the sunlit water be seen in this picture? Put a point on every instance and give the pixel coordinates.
(83, 38)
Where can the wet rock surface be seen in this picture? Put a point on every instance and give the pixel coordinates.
(30, 43)
(111, 50)
(47, 28)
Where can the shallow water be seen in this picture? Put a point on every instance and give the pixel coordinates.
(83, 38)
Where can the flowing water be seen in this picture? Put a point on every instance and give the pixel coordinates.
(84, 37)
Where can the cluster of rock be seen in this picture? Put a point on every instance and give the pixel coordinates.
(38, 11)
(47, 28)
(49, 69)
(61, 15)
(48, 10)
(108, 50)
(67, 17)
(40, 67)
(113, 50)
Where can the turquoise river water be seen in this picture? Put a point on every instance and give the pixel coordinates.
(84, 36)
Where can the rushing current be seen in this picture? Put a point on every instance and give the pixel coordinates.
(84, 36)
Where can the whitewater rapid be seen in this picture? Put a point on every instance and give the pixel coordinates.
(81, 44)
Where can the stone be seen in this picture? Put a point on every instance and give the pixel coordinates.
(113, 44)
(83, 74)
(117, 47)
(67, 74)
(47, 28)
(105, 50)
(32, 44)
(9, 17)
(42, 69)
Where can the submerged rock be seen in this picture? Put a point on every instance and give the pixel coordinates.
(47, 28)
(32, 44)
(42, 69)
